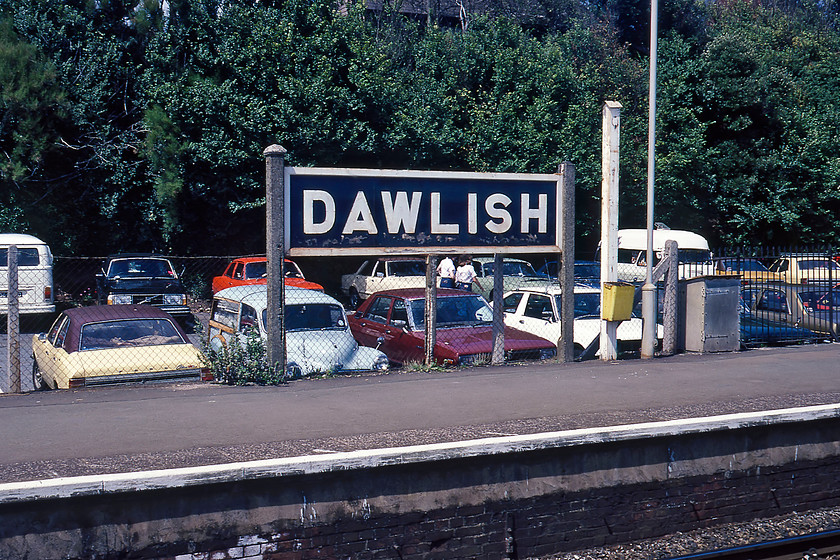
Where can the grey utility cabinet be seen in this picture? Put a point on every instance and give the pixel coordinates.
(710, 314)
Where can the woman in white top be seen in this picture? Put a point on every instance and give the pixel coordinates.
(465, 275)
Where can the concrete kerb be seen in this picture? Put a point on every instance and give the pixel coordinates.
(68, 487)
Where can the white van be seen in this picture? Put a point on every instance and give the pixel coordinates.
(35, 274)
(695, 258)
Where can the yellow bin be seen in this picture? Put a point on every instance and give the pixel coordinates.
(618, 301)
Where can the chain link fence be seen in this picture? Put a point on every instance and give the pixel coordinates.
(203, 316)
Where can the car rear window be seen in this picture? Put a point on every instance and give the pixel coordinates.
(127, 333)
(26, 257)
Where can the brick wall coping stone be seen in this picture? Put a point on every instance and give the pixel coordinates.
(71, 487)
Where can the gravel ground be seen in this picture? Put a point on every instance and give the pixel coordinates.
(725, 536)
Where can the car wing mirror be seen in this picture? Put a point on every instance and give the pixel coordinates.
(400, 324)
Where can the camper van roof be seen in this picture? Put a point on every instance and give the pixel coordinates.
(18, 239)
(636, 239)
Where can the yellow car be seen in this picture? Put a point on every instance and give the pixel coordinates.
(113, 343)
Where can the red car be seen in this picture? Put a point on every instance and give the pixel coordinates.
(394, 321)
(247, 271)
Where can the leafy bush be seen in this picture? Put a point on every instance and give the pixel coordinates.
(240, 364)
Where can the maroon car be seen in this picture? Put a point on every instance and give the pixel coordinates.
(394, 320)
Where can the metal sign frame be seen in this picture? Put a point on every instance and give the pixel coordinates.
(362, 212)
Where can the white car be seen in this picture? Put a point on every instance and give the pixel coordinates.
(318, 338)
(536, 310)
(383, 274)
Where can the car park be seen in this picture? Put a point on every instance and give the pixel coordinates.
(516, 273)
(142, 278)
(246, 271)
(537, 311)
(394, 320)
(35, 274)
(375, 275)
(98, 344)
(794, 304)
(806, 268)
(318, 339)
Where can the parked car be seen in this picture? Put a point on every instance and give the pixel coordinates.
(246, 271)
(585, 272)
(35, 274)
(693, 254)
(516, 273)
(383, 274)
(750, 269)
(537, 311)
(102, 344)
(806, 268)
(142, 278)
(793, 304)
(394, 320)
(758, 332)
(318, 339)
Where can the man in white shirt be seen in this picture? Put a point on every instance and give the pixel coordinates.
(446, 271)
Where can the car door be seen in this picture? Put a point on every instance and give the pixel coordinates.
(370, 327)
(534, 315)
(403, 346)
(51, 355)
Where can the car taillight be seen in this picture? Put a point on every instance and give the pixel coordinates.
(47, 293)
(76, 383)
(207, 375)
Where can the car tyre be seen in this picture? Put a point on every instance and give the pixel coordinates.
(355, 300)
(38, 381)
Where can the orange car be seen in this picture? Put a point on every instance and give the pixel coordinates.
(246, 271)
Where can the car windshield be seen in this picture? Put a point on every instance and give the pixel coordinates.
(511, 268)
(739, 265)
(314, 317)
(140, 268)
(585, 304)
(127, 333)
(587, 270)
(694, 255)
(452, 311)
(818, 264)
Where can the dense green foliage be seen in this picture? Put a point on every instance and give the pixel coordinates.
(139, 125)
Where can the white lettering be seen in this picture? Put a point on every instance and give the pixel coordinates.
(491, 207)
(400, 212)
(540, 213)
(360, 217)
(472, 213)
(437, 227)
(309, 225)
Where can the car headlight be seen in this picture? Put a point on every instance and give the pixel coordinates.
(547, 353)
(174, 299)
(381, 363)
(119, 299)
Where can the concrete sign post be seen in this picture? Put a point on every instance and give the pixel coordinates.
(611, 126)
(566, 272)
(275, 255)
(13, 321)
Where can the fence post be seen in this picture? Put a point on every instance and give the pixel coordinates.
(566, 263)
(275, 254)
(498, 356)
(431, 309)
(13, 321)
(669, 312)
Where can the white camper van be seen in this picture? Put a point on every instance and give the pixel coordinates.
(695, 258)
(35, 274)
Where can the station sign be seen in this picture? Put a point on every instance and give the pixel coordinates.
(346, 211)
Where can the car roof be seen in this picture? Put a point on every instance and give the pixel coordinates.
(420, 293)
(136, 255)
(19, 239)
(580, 288)
(100, 313)
(504, 259)
(253, 259)
(256, 295)
(636, 239)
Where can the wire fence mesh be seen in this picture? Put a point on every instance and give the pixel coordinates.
(206, 315)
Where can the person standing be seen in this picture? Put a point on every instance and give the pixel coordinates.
(465, 275)
(446, 271)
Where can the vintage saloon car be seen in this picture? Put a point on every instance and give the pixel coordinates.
(806, 268)
(318, 339)
(537, 311)
(383, 274)
(102, 344)
(142, 278)
(247, 271)
(394, 320)
(516, 273)
(806, 306)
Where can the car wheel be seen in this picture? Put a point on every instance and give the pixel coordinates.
(355, 300)
(38, 378)
(577, 352)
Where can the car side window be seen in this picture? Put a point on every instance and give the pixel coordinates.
(399, 313)
(773, 300)
(54, 330)
(511, 303)
(62, 334)
(378, 310)
(248, 318)
(237, 272)
(538, 307)
(224, 312)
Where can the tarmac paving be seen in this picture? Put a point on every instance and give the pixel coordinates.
(128, 428)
